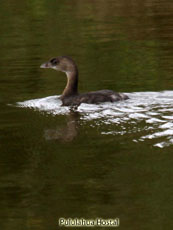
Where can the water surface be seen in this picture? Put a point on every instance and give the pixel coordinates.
(107, 160)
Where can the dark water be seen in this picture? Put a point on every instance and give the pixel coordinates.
(110, 160)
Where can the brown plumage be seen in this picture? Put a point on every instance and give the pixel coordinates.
(70, 95)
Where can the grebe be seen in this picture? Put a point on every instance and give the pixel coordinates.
(70, 95)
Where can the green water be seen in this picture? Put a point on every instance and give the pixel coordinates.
(123, 45)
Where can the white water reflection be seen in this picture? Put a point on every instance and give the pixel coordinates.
(147, 114)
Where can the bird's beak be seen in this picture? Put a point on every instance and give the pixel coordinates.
(46, 65)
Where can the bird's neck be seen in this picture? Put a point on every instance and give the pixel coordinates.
(71, 88)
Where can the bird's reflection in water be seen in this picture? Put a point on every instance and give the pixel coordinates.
(66, 133)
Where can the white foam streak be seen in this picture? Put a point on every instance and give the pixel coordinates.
(154, 108)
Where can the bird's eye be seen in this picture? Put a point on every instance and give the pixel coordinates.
(54, 61)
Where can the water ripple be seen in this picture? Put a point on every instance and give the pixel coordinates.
(147, 114)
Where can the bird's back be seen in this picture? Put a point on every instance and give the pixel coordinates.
(94, 97)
